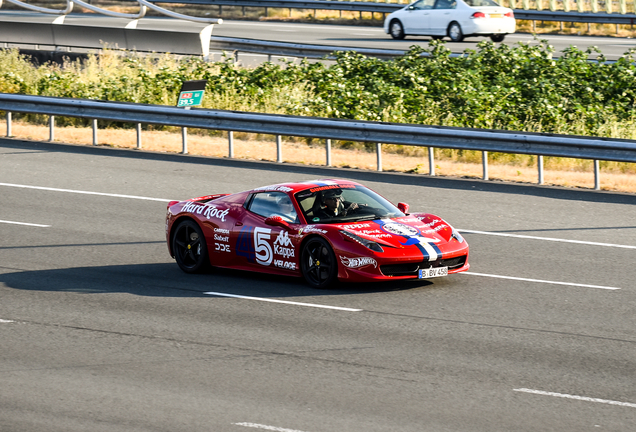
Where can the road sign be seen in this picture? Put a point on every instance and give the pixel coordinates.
(191, 93)
(190, 98)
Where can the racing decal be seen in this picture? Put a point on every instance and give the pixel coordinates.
(262, 248)
(255, 244)
(209, 211)
(358, 262)
(288, 265)
(281, 245)
(244, 244)
(413, 237)
(274, 188)
(222, 238)
(311, 229)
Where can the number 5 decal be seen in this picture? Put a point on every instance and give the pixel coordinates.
(263, 249)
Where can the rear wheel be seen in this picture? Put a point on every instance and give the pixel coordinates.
(396, 29)
(497, 37)
(189, 247)
(455, 32)
(318, 263)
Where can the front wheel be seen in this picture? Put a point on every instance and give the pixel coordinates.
(396, 30)
(318, 263)
(455, 32)
(190, 249)
(497, 37)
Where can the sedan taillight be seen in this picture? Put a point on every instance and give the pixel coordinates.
(509, 14)
(478, 15)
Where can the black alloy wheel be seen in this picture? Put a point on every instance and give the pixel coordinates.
(318, 263)
(497, 37)
(455, 32)
(396, 29)
(189, 247)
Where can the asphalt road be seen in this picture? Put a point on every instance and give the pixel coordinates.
(100, 330)
(329, 35)
(374, 37)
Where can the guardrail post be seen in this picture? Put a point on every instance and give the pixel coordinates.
(328, 151)
(594, 8)
(184, 140)
(580, 6)
(94, 132)
(484, 162)
(8, 124)
(230, 144)
(139, 135)
(608, 6)
(431, 162)
(279, 149)
(378, 151)
(597, 175)
(51, 128)
(540, 168)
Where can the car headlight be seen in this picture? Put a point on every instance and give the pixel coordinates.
(369, 244)
(457, 236)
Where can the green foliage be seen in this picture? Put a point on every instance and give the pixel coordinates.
(518, 87)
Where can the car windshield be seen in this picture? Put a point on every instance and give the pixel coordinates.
(344, 203)
(481, 3)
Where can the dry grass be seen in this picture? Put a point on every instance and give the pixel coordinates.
(249, 147)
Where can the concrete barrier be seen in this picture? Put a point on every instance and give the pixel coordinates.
(144, 35)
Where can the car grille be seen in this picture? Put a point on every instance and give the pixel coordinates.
(412, 268)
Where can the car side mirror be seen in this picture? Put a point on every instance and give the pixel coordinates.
(277, 221)
(403, 207)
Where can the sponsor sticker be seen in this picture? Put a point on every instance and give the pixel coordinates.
(358, 262)
(209, 211)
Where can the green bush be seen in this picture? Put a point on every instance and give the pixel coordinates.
(519, 87)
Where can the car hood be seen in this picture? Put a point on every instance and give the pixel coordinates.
(402, 232)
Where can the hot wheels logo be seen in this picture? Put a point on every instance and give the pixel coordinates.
(358, 262)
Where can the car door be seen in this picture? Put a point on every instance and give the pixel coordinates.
(262, 247)
(442, 14)
(416, 19)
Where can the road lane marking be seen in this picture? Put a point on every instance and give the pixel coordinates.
(539, 281)
(266, 427)
(547, 239)
(84, 192)
(5, 321)
(283, 301)
(25, 223)
(581, 398)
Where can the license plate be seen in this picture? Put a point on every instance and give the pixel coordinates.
(433, 272)
(496, 15)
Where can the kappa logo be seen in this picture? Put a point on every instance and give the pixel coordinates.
(283, 239)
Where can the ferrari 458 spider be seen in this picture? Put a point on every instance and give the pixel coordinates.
(323, 230)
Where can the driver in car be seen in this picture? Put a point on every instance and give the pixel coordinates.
(334, 205)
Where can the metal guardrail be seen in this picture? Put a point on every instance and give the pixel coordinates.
(326, 128)
(143, 6)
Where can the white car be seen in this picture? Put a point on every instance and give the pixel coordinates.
(456, 19)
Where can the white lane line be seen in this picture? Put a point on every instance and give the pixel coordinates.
(5, 321)
(539, 281)
(283, 301)
(24, 223)
(266, 427)
(84, 192)
(547, 239)
(581, 398)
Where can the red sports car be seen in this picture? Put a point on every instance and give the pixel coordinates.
(324, 230)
